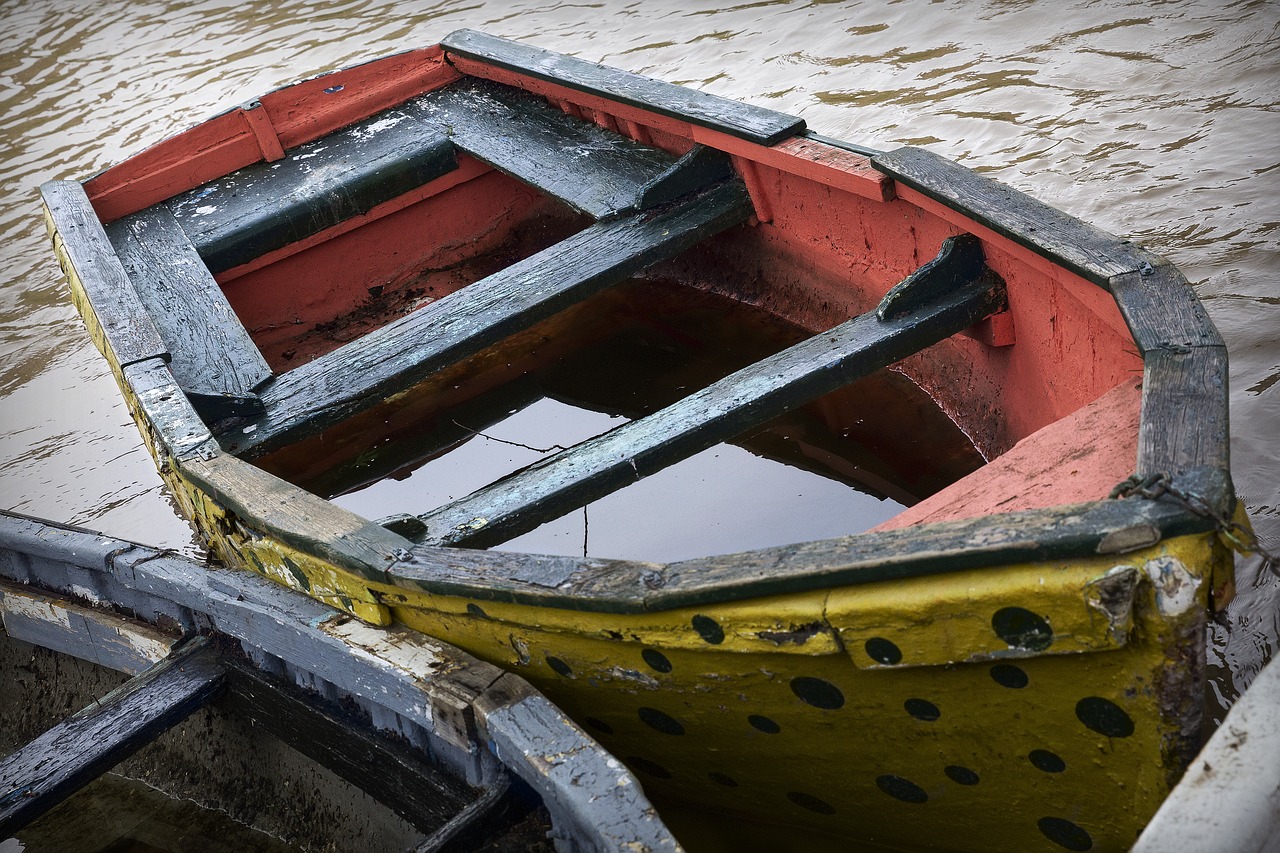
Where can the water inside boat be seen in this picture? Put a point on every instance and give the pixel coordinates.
(838, 466)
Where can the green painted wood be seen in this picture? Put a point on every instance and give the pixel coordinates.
(361, 373)
(745, 121)
(129, 331)
(266, 206)
(745, 399)
(1063, 239)
(213, 358)
(73, 753)
(592, 169)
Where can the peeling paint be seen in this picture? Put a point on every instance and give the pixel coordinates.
(38, 609)
(1112, 596)
(1175, 585)
(403, 651)
(796, 634)
(633, 675)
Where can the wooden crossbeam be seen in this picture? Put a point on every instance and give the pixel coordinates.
(361, 373)
(592, 169)
(266, 206)
(727, 408)
(73, 753)
(212, 356)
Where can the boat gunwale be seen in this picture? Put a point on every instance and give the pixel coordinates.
(1176, 340)
(475, 724)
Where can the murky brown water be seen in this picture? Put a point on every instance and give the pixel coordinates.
(1153, 120)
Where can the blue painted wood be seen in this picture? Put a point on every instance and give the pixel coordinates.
(75, 752)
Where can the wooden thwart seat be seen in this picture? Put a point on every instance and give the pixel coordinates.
(940, 299)
(593, 170)
(267, 206)
(360, 374)
(211, 354)
(73, 753)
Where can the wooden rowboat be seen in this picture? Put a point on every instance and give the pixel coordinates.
(289, 289)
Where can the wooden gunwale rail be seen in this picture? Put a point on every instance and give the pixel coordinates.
(1184, 414)
(475, 728)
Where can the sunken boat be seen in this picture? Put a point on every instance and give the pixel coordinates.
(415, 246)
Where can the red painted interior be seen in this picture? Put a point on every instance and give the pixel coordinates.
(1052, 466)
(833, 236)
(468, 169)
(298, 113)
(313, 301)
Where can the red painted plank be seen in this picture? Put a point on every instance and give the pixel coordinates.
(298, 113)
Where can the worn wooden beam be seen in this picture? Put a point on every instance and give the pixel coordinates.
(212, 356)
(1060, 237)
(592, 169)
(361, 373)
(1184, 412)
(265, 206)
(745, 121)
(548, 750)
(59, 762)
(100, 288)
(741, 401)
(1162, 310)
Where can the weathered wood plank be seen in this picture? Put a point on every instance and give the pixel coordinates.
(100, 289)
(732, 117)
(212, 356)
(700, 167)
(295, 517)
(359, 374)
(266, 206)
(1080, 247)
(417, 791)
(170, 424)
(558, 760)
(91, 634)
(1162, 310)
(748, 398)
(596, 171)
(1184, 411)
(62, 760)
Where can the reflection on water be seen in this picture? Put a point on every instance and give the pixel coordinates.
(630, 352)
(1156, 121)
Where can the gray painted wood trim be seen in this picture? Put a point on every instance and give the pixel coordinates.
(129, 331)
(434, 694)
